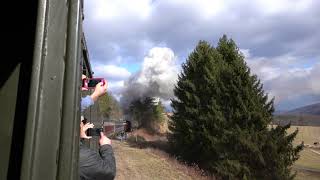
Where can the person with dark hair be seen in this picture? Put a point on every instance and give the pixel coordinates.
(94, 165)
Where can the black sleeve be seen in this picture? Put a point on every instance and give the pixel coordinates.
(94, 165)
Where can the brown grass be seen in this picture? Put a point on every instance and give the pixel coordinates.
(305, 175)
(145, 156)
(308, 134)
(148, 135)
(150, 163)
(308, 159)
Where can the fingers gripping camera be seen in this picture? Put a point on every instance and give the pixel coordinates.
(94, 131)
(91, 83)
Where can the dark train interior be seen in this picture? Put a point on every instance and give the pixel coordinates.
(40, 90)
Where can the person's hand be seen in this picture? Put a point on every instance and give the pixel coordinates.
(104, 139)
(99, 90)
(84, 128)
(82, 78)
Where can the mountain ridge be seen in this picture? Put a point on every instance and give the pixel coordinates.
(312, 109)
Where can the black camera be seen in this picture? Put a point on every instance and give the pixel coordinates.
(90, 83)
(91, 131)
(94, 131)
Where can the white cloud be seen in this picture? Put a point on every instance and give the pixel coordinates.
(157, 77)
(116, 87)
(315, 78)
(282, 35)
(110, 10)
(158, 65)
(283, 78)
(269, 73)
(116, 84)
(270, 7)
(129, 28)
(111, 72)
(205, 8)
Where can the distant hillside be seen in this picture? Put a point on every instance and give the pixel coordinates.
(303, 116)
(297, 120)
(313, 109)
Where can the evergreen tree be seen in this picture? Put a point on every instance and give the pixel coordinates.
(147, 113)
(158, 112)
(221, 117)
(109, 107)
(140, 111)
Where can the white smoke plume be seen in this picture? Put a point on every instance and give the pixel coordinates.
(157, 77)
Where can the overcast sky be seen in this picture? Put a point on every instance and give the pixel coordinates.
(280, 39)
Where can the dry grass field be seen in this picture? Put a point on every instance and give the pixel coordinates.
(308, 166)
(143, 156)
(146, 161)
(309, 159)
(308, 134)
(149, 163)
(305, 175)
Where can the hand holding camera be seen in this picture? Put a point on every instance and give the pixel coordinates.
(91, 83)
(98, 84)
(100, 90)
(84, 126)
(104, 139)
(87, 131)
(94, 131)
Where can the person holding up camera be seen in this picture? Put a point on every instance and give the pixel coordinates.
(94, 165)
(100, 90)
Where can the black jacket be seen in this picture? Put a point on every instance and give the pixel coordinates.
(94, 165)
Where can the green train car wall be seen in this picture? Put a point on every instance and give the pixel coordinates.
(41, 90)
